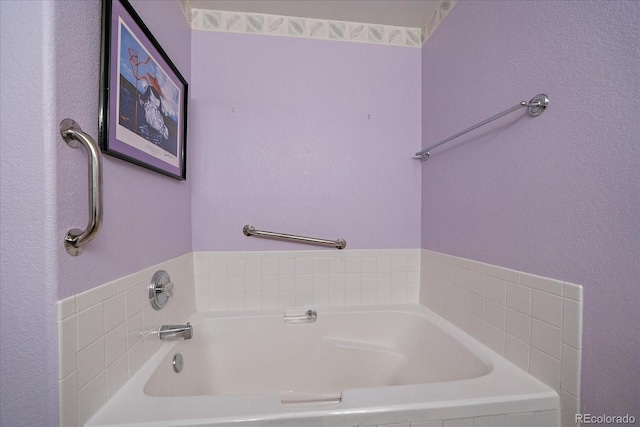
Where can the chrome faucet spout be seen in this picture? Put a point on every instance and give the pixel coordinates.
(176, 332)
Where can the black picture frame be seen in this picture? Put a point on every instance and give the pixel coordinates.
(143, 96)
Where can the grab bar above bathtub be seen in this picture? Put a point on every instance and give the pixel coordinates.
(74, 137)
(248, 230)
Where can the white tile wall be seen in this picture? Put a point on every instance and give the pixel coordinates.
(257, 281)
(526, 419)
(535, 322)
(107, 333)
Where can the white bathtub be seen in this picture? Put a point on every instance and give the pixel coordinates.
(370, 366)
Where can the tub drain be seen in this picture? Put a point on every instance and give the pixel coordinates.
(178, 362)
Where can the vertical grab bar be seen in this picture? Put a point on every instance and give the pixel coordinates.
(74, 137)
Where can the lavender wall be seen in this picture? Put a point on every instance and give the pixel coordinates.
(147, 216)
(306, 137)
(557, 195)
(28, 365)
(49, 72)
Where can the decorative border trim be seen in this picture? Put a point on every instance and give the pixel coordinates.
(319, 29)
(436, 19)
(288, 26)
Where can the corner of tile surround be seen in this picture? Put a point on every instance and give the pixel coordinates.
(106, 333)
(535, 322)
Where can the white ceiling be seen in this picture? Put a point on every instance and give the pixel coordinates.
(401, 13)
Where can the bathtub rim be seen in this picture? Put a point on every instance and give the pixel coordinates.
(512, 390)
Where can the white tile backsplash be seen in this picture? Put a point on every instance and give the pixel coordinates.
(545, 368)
(68, 400)
(571, 360)
(519, 298)
(91, 362)
(106, 334)
(101, 336)
(90, 325)
(547, 307)
(495, 314)
(517, 352)
(535, 322)
(572, 322)
(525, 419)
(255, 281)
(547, 418)
(494, 338)
(91, 398)
(117, 375)
(459, 422)
(92, 297)
(489, 421)
(542, 283)
(547, 338)
(518, 325)
(67, 347)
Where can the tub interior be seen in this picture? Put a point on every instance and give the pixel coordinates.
(313, 362)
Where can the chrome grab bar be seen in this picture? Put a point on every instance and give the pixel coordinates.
(535, 107)
(74, 137)
(248, 230)
(295, 316)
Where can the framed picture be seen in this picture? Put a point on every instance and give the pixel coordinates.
(143, 96)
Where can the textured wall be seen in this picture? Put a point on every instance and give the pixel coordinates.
(305, 137)
(28, 366)
(49, 72)
(557, 195)
(147, 216)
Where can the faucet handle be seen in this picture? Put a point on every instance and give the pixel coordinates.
(167, 289)
(160, 289)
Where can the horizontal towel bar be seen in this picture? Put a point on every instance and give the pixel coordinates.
(535, 107)
(248, 230)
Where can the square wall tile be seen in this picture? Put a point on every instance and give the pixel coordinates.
(517, 352)
(489, 421)
(91, 362)
(572, 323)
(542, 283)
(93, 296)
(547, 307)
(90, 325)
(545, 368)
(66, 308)
(496, 290)
(519, 298)
(571, 365)
(525, 419)
(115, 311)
(67, 347)
(547, 338)
(574, 292)
(458, 422)
(519, 325)
(91, 398)
(68, 401)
